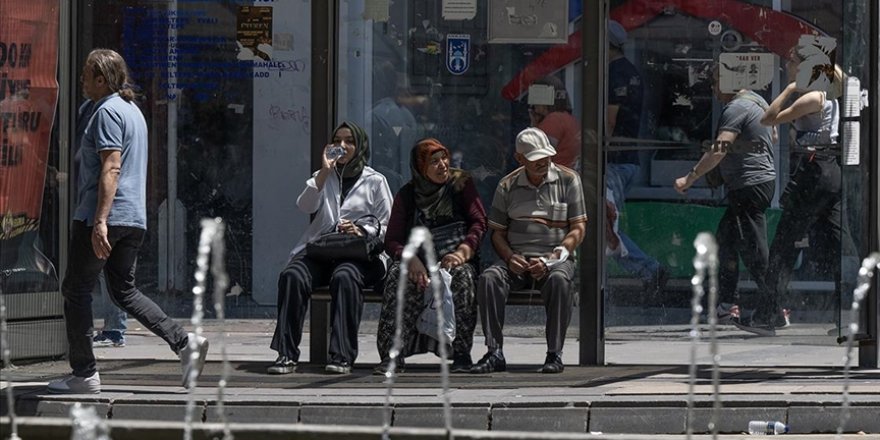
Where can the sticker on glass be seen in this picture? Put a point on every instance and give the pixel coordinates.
(752, 71)
(458, 53)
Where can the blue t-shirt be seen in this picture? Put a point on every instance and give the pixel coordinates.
(115, 124)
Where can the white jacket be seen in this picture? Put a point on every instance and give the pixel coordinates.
(369, 195)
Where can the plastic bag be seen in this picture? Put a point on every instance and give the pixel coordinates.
(427, 323)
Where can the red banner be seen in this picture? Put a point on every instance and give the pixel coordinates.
(28, 96)
(778, 31)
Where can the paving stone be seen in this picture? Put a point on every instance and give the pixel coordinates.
(255, 413)
(54, 408)
(640, 420)
(825, 419)
(650, 400)
(432, 417)
(732, 420)
(165, 412)
(342, 415)
(559, 419)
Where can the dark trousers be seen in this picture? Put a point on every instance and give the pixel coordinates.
(119, 270)
(346, 280)
(494, 286)
(811, 202)
(742, 234)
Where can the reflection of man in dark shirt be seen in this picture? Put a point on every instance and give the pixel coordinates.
(625, 94)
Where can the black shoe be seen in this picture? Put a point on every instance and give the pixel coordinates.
(461, 363)
(282, 365)
(752, 325)
(493, 361)
(552, 364)
(338, 367)
(108, 339)
(725, 313)
(383, 367)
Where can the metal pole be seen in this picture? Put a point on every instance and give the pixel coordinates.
(592, 256)
(869, 349)
(324, 19)
(66, 130)
(171, 258)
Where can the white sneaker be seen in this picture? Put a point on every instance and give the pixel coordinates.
(76, 385)
(188, 364)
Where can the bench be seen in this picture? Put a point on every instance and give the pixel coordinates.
(319, 316)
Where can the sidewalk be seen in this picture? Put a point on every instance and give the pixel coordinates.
(141, 382)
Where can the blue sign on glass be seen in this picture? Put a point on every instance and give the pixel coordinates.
(458, 53)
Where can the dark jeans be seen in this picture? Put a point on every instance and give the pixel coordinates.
(742, 233)
(811, 202)
(346, 280)
(494, 286)
(119, 269)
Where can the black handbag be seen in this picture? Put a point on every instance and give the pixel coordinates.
(337, 246)
(446, 238)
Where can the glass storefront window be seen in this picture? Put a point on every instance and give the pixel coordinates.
(396, 78)
(677, 51)
(226, 95)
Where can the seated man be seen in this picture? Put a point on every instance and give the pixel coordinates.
(538, 219)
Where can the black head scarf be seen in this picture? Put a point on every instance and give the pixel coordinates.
(355, 166)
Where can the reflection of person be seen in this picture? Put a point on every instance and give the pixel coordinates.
(394, 128)
(538, 219)
(343, 191)
(811, 200)
(743, 151)
(112, 334)
(110, 223)
(558, 123)
(445, 200)
(625, 94)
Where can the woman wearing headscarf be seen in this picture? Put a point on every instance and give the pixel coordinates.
(444, 200)
(340, 196)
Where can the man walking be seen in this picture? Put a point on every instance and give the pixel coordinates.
(109, 225)
(743, 150)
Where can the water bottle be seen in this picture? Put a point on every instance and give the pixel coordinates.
(335, 151)
(761, 427)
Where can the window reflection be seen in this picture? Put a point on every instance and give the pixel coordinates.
(394, 78)
(675, 50)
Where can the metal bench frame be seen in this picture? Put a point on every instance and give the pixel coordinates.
(319, 316)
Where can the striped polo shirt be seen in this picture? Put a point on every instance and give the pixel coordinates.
(537, 219)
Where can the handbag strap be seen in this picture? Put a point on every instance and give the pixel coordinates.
(378, 223)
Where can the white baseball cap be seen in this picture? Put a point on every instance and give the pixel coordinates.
(616, 34)
(534, 144)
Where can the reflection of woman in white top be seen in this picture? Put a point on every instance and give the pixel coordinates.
(811, 201)
(344, 190)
